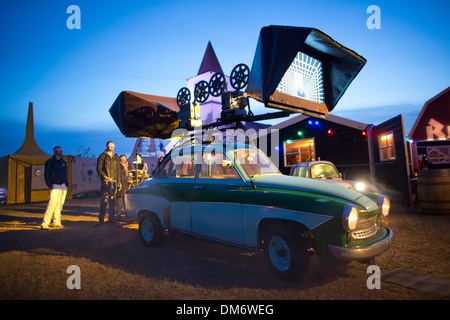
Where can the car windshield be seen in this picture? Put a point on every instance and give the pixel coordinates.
(254, 162)
(300, 171)
(323, 170)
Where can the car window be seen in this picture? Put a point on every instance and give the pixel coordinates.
(323, 170)
(163, 169)
(299, 171)
(183, 167)
(302, 171)
(255, 162)
(294, 171)
(212, 168)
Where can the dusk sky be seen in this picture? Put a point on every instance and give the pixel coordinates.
(73, 76)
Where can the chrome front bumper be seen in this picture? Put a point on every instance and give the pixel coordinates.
(363, 253)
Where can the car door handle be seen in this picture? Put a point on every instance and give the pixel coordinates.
(197, 187)
(165, 185)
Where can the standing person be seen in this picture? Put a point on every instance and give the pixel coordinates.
(141, 169)
(125, 168)
(141, 165)
(108, 169)
(55, 175)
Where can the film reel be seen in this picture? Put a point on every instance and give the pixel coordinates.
(183, 96)
(201, 91)
(217, 84)
(239, 76)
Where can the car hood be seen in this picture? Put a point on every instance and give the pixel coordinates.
(338, 181)
(314, 186)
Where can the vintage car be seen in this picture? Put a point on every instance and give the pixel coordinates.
(235, 195)
(325, 171)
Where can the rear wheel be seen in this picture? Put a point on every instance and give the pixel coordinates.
(150, 230)
(285, 251)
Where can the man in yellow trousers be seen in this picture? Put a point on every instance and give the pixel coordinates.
(57, 181)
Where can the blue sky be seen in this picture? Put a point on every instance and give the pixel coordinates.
(73, 76)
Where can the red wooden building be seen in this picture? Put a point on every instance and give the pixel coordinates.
(430, 133)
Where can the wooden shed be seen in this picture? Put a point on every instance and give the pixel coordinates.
(376, 155)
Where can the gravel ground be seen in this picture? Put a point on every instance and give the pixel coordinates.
(115, 265)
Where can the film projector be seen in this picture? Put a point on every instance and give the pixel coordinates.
(234, 103)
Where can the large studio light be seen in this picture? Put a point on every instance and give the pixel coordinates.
(300, 69)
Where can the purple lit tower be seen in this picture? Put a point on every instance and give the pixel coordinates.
(210, 109)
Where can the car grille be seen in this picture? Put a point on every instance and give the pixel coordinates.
(366, 228)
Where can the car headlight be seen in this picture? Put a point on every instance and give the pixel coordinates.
(384, 204)
(360, 186)
(350, 218)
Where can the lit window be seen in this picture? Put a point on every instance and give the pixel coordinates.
(386, 145)
(296, 151)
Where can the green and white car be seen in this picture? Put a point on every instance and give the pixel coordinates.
(234, 194)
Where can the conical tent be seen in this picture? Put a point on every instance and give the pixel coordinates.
(22, 173)
(29, 146)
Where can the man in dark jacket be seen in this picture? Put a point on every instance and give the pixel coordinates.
(56, 178)
(109, 171)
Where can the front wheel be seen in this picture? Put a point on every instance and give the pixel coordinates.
(150, 230)
(285, 251)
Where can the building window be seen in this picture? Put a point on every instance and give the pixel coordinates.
(387, 149)
(296, 151)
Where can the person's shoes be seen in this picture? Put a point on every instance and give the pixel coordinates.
(44, 227)
(58, 226)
